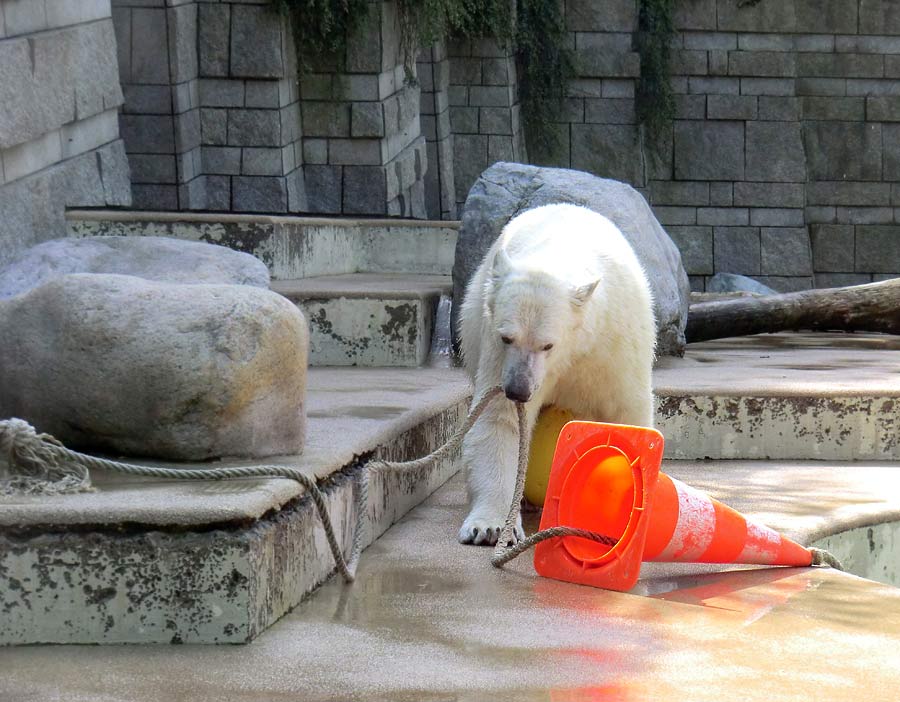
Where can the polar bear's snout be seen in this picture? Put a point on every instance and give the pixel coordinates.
(518, 389)
(522, 374)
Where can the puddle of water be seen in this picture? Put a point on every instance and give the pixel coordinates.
(748, 594)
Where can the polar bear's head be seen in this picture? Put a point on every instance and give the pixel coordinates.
(534, 316)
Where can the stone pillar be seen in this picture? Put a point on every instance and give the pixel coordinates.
(160, 120)
(211, 117)
(59, 128)
(484, 110)
(363, 150)
(249, 107)
(433, 68)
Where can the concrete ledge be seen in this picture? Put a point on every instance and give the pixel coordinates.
(871, 551)
(782, 396)
(142, 561)
(294, 247)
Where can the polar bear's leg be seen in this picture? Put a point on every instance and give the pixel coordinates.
(634, 403)
(491, 457)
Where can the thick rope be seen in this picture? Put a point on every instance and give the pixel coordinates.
(39, 463)
(32, 454)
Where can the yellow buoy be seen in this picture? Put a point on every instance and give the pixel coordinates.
(543, 445)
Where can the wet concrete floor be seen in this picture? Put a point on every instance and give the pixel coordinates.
(430, 620)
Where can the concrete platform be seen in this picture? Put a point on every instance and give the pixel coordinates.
(368, 319)
(783, 396)
(431, 620)
(153, 561)
(163, 561)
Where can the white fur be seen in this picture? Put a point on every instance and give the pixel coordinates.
(561, 275)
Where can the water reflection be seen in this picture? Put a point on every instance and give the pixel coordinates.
(750, 594)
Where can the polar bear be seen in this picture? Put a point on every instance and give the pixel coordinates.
(559, 312)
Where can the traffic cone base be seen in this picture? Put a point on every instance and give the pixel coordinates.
(602, 478)
(606, 479)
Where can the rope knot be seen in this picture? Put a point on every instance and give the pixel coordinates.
(13, 433)
(34, 463)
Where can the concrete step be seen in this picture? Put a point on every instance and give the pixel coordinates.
(149, 561)
(294, 247)
(368, 319)
(783, 396)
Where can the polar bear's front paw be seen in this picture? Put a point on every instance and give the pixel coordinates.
(485, 531)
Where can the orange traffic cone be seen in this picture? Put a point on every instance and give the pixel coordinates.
(606, 479)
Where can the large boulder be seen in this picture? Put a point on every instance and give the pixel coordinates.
(151, 257)
(507, 189)
(732, 282)
(123, 365)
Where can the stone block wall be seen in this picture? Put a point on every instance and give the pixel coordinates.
(433, 69)
(362, 141)
(485, 114)
(782, 160)
(215, 118)
(250, 127)
(59, 132)
(211, 116)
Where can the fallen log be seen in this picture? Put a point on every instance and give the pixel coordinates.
(874, 307)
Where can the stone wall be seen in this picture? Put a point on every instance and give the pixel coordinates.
(211, 117)
(362, 139)
(783, 162)
(59, 132)
(485, 114)
(215, 118)
(433, 69)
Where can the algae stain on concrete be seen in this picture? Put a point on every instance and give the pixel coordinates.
(399, 319)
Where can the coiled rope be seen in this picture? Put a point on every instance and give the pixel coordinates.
(40, 464)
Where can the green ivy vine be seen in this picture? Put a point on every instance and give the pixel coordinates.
(321, 27)
(534, 29)
(546, 66)
(654, 100)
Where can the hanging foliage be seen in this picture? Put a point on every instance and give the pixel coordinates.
(654, 101)
(547, 67)
(321, 27)
(534, 29)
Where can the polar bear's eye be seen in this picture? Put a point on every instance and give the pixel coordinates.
(506, 340)
(548, 347)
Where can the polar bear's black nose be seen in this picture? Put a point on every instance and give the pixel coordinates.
(517, 393)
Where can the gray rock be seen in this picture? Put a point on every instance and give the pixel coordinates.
(732, 282)
(152, 257)
(123, 365)
(506, 189)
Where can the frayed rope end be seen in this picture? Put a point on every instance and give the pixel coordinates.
(35, 464)
(821, 557)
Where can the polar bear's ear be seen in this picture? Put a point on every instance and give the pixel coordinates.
(502, 264)
(581, 294)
